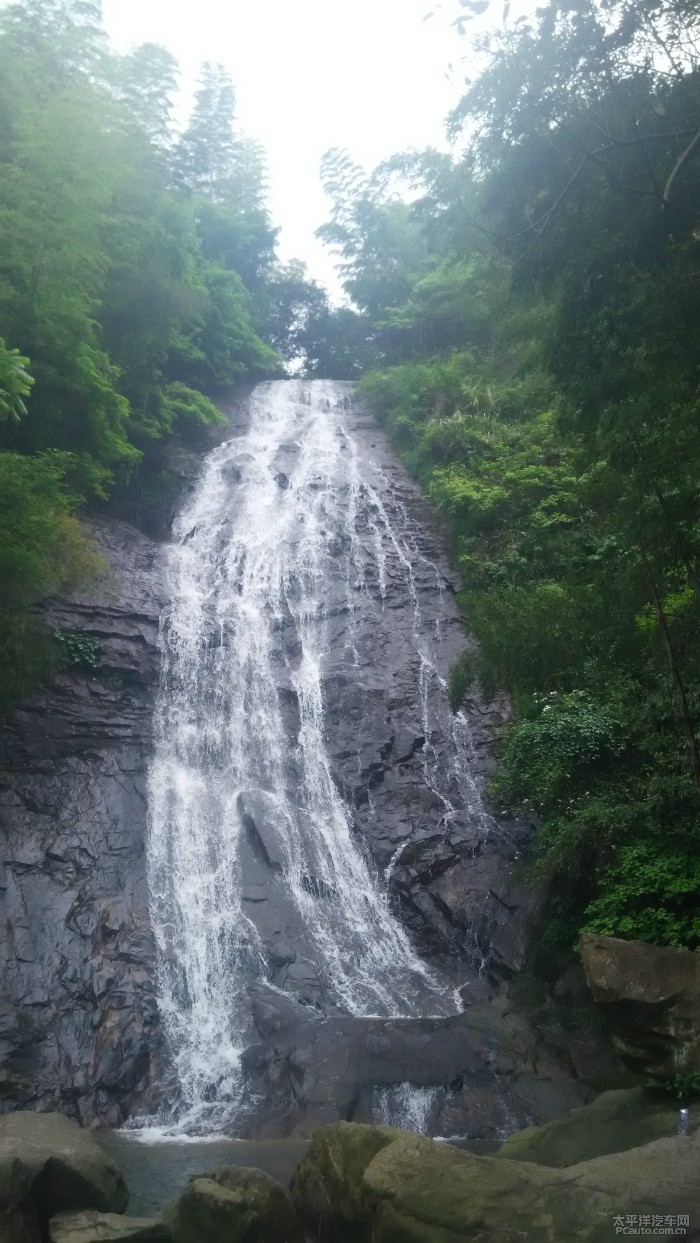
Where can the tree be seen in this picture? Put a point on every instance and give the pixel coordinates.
(63, 38)
(204, 156)
(135, 299)
(224, 171)
(295, 301)
(145, 82)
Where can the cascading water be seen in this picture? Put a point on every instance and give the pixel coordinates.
(407, 1107)
(255, 581)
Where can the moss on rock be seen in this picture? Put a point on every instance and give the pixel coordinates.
(614, 1122)
(234, 1205)
(327, 1187)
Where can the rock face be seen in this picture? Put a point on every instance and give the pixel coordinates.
(78, 1020)
(650, 996)
(79, 1026)
(452, 872)
(379, 1189)
(480, 1073)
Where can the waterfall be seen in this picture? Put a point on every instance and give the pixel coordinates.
(268, 553)
(407, 1107)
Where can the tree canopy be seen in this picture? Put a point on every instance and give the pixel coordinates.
(138, 281)
(532, 321)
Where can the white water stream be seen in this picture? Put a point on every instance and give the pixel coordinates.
(249, 582)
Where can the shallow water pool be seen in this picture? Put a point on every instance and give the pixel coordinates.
(156, 1172)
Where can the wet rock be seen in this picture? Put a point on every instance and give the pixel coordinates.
(281, 953)
(78, 1019)
(235, 1205)
(91, 1227)
(487, 1072)
(79, 1027)
(650, 997)
(260, 815)
(19, 1224)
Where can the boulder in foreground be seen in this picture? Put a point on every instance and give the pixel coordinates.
(417, 1193)
(327, 1187)
(413, 1190)
(234, 1205)
(48, 1161)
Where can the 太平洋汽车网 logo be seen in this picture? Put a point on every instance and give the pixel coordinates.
(637, 1225)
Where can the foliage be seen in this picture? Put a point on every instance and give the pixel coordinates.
(536, 344)
(78, 650)
(43, 549)
(113, 281)
(684, 1086)
(42, 546)
(15, 383)
(133, 289)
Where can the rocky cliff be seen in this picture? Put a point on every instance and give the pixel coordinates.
(79, 1026)
(78, 1016)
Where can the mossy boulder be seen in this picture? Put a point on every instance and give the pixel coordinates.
(327, 1187)
(49, 1162)
(414, 1190)
(92, 1227)
(418, 1192)
(614, 1122)
(234, 1205)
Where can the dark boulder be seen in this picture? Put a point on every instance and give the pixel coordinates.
(650, 996)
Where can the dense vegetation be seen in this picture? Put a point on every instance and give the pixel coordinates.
(532, 330)
(137, 280)
(526, 318)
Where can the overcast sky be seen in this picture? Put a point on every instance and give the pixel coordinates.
(368, 75)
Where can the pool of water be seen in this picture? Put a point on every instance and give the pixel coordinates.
(156, 1172)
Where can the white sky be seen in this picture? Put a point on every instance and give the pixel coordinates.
(368, 75)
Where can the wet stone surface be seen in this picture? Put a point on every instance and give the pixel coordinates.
(78, 1017)
(79, 1025)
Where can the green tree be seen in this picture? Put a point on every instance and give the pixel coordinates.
(204, 156)
(145, 81)
(135, 298)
